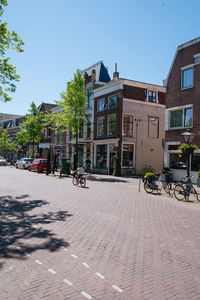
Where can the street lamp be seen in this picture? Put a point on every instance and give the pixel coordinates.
(188, 138)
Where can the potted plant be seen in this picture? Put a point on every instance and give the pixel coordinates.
(198, 179)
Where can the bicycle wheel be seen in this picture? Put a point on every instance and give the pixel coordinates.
(83, 182)
(194, 192)
(179, 193)
(75, 181)
(167, 187)
(148, 188)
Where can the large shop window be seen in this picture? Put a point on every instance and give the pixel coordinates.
(127, 155)
(187, 78)
(101, 160)
(178, 161)
(127, 125)
(181, 118)
(112, 125)
(100, 127)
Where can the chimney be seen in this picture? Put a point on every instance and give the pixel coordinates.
(93, 78)
(116, 74)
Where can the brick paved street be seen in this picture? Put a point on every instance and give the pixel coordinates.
(106, 241)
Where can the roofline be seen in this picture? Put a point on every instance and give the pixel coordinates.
(185, 45)
(142, 82)
(92, 66)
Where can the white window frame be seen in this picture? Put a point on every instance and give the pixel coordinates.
(148, 96)
(176, 109)
(128, 143)
(183, 70)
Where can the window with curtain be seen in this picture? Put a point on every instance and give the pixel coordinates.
(112, 102)
(101, 105)
(187, 78)
(181, 118)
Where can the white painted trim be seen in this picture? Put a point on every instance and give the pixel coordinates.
(106, 141)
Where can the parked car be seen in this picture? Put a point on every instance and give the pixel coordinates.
(39, 165)
(3, 161)
(179, 165)
(24, 163)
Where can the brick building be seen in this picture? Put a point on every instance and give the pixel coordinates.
(129, 118)
(183, 103)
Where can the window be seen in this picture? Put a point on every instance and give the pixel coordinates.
(127, 155)
(187, 78)
(100, 127)
(151, 96)
(112, 125)
(89, 96)
(153, 127)
(197, 58)
(101, 105)
(181, 118)
(127, 125)
(81, 123)
(88, 127)
(101, 159)
(112, 102)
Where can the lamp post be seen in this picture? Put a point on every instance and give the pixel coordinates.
(188, 138)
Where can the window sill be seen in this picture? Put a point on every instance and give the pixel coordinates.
(187, 88)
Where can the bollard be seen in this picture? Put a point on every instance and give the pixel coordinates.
(140, 179)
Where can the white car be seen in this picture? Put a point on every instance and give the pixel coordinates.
(24, 163)
(3, 161)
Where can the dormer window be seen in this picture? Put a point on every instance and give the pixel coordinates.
(152, 96)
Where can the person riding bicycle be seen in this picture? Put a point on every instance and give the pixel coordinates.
(79, 171)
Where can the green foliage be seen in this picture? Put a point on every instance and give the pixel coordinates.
(8, 40)
(73, 102)
(187, 146)
(33, 124)
(33, 154)
(149, 174)
(22, 137)
(117, 164)
(6, 143)
(198, 173)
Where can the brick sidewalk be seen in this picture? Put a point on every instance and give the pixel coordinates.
(104, 242)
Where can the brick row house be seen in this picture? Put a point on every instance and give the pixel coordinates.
(129, 118)
(182, 105)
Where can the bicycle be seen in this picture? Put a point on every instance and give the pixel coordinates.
(155, 183)
(79, 180)
(184, 189)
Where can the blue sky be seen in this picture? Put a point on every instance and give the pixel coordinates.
(61, 36)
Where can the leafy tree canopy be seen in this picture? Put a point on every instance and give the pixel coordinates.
(73, 102)
(8, 40)
(6, 143)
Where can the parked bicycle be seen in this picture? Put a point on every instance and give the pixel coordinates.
(155, 183)
(77, 179)
(184, 189)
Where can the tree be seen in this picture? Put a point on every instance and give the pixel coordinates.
(73, 102)
(6, 143)
(33, 124)
(8, 40)
(22, 138)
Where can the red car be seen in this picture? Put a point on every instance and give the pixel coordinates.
(39, 165)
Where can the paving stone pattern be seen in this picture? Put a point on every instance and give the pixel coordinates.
(106, 241)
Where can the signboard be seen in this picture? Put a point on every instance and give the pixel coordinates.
(44, 145)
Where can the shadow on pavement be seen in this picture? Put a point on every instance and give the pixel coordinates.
(104, 179)
(21, 232)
